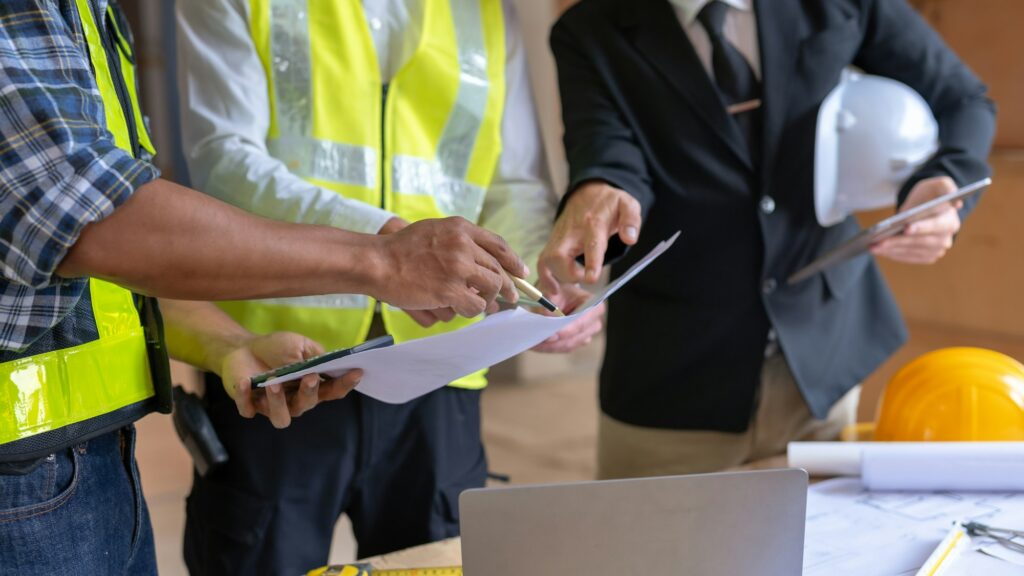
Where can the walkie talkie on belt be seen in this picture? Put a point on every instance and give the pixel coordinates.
(193, 426)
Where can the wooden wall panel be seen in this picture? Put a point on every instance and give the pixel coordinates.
(987, 36)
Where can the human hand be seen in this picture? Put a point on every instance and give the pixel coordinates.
(447, 263)
(425, 318)
(258, 354)
(595, 212)
(568, 298)
(393, 225)
(927, 240)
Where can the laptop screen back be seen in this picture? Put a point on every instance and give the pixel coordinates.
(702, 525)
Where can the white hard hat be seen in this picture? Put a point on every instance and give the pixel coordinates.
(872, 133)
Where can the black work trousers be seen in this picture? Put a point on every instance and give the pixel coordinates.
(397, 471)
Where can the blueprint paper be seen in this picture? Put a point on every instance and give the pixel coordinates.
(400, 373)
(851, 530)
(1004, 553)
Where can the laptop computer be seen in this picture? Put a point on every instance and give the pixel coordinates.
(723, 524)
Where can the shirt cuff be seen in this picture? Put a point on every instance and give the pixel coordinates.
(361, 217)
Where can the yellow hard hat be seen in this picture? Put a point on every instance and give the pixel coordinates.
(954, 394)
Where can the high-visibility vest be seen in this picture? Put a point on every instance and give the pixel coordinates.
(424, 146)
(96, 369)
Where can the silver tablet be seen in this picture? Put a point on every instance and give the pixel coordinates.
(887, 228)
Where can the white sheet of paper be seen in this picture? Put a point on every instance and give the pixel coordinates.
(851, 530)
(400, 373)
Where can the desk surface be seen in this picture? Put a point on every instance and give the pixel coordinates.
(449, 552)
(438, 554)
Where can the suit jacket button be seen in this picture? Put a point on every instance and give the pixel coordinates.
(767, 205)
(769, 286)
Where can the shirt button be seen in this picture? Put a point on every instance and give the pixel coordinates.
(767, 205)
(375, 23)
(769, 286)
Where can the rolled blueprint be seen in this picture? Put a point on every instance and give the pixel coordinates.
(826, 458)
(954, 466)
(924, 466)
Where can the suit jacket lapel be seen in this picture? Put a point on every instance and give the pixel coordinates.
(656, 33)
(779, 38)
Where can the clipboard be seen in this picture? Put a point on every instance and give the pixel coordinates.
(259, 381)
(891, 226)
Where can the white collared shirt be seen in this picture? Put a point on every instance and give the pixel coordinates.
(226, 115)
(740, 28)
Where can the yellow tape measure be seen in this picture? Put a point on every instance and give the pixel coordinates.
(367, 570)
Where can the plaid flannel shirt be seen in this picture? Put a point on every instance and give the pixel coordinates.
(59, 167)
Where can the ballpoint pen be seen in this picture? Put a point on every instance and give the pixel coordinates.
(522, 301)
(532, 292)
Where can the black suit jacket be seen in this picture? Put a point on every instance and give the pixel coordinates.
(686, 337)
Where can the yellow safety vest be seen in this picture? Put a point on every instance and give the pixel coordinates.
(425, 147)
(78, 389)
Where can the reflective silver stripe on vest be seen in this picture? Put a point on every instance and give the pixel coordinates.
(445, 178)
(352, 301)
(459, 137)
(290, 64)
(325, 160)
(454, 196)
(293, 94)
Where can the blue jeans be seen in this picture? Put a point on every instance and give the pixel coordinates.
(80, 511)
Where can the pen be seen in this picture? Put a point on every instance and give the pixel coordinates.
(532, 292)
(522, 301)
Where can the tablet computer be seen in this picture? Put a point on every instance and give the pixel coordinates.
(891, 226)
(260, 380)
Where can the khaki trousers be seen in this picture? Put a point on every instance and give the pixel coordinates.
(628, 451)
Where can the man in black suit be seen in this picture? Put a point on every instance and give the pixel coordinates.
(700, 116)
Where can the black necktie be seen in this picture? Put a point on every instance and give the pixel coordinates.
(733, 74)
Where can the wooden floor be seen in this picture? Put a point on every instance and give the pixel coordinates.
(541, 428)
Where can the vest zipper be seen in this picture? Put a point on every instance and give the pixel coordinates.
(114, 62)
(383, 145)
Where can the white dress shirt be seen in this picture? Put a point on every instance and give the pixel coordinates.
(226, 115)
(740, 28)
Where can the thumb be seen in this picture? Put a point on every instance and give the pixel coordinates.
(311, 348)
(935, 187)
(629, 219)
